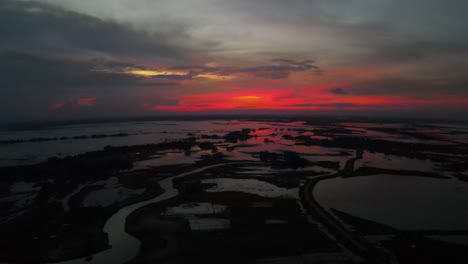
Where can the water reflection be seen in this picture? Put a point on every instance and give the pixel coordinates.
(404, 202)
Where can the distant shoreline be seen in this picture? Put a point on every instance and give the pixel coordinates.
(310, 119)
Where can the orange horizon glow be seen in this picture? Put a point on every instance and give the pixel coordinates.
(242, 90)
(156, 73)
(279, 100)
(152, 73)
(90, 101)
(74, 103)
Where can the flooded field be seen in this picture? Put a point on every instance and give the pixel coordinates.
(171, 191)
(407, 203)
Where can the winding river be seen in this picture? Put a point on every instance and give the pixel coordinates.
(124, 246)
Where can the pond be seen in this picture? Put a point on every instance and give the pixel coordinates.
(403, 202)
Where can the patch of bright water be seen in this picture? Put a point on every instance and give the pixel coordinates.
(379, 160)
(139, 133)
(251, 186)
(404, 202)
(259, 170)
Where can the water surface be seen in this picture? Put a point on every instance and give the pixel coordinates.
(404, 202)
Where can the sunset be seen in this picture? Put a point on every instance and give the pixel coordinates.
(146, 58)
(233, 131)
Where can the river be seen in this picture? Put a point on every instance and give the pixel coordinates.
(124, 246)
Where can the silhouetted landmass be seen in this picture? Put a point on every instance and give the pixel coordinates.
(60, 232)
(405, 132)
(69, 231)
(413, 150)
(414, 248)
(364, 226)
(308, 119)
(411, 246)
(367, 171)
(95, 136)
(236, 136)
(249, 237)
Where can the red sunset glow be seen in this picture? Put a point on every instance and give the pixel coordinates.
(252, 56)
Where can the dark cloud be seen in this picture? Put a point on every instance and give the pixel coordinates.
(48, 51)
(288, 66)
(174, 77)
(273, 76)
(384, 51)
(197, 68)
(338, 90)
(333, 105)
(283, 66)
(38, 74)
(368, 33)
(415, 87)
(44, 74)
(33, 26)
(279, 69)
(32, 86)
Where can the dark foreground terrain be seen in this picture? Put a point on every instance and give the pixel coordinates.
(230, 192)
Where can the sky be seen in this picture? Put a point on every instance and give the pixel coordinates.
(107, 58)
